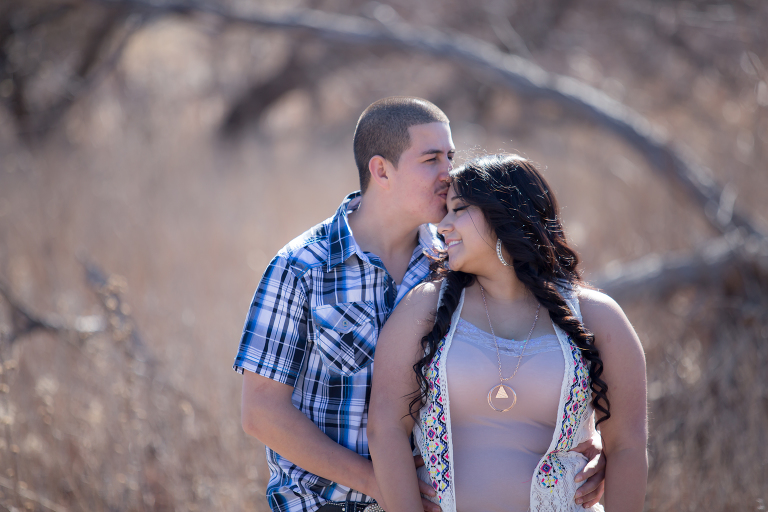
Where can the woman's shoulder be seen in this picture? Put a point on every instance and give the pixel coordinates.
(599, 311)
(602, 315)
(596, 301)
(422, 298)
(413, 316)
(419, 303)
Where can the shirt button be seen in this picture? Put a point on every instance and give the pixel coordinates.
(345, 324)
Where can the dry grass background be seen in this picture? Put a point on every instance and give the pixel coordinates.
(144, 414)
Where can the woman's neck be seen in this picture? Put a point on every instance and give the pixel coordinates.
(504, 287)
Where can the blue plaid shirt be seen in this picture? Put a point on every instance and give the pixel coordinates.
(313, 324)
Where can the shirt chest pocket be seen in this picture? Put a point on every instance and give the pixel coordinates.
(345, 335)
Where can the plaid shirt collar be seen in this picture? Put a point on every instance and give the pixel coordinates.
(343, 245)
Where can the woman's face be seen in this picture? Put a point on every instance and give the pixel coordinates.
(471, 245)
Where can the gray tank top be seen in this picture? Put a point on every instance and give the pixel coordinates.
(494, 450)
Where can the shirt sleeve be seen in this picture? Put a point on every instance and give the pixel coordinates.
(274, 340)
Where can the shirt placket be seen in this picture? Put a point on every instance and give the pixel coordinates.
(388, 286)
(390, 293)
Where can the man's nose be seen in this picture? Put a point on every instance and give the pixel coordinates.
(446, 169)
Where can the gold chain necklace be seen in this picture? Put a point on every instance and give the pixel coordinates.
(501, 386)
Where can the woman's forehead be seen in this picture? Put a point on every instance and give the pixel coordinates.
(452, 193)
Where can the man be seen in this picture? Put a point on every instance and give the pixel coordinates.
(309, 340)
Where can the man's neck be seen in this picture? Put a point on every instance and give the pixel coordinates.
(381, 231)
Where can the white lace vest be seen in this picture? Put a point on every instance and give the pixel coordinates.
(552, 486)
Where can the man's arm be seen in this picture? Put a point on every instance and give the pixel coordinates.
(272, 351)
(269, 416)
(271, 354)
(590, 493)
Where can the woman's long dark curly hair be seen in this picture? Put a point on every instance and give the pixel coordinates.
(519, 207)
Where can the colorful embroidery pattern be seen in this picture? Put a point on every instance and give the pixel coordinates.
(434, 428)
(550, 471)
(576, 403)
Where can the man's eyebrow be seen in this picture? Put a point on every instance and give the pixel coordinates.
(435, 152)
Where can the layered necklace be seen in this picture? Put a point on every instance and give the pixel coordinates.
(501, 387)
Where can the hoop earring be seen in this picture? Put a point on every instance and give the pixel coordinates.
(498, 253)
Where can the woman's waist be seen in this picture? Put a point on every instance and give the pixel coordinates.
(525, 439)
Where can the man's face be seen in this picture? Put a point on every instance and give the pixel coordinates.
(421, 178)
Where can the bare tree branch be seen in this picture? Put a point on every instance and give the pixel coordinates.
(255, 101)
(90, 73)
(32, 496)
(511, 71)
(659, 275)
(119, 322)
(298, 72)
(24, 321)
(11, 25)
(508, 35)
(110, 289)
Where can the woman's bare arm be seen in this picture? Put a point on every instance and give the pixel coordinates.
(389, 424)
(625, 434)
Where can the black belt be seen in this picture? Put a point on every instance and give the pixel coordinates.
(350, 506)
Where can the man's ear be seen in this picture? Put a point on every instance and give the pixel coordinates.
(380, 169)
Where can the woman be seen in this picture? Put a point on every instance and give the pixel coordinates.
(512, 360)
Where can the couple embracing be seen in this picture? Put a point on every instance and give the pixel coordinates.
(502, 382)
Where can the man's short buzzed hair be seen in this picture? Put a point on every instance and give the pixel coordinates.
(383, 130)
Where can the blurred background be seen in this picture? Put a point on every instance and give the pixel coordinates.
(155, 156)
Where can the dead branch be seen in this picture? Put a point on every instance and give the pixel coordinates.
(32, 496)
(90, 72)
(123, 328)
(119, 323)
(658, 275)
(109, 290)
(10, 25)
(98, 55)
(510, 71)
(299, 71)
(23, 320)
(255, 101)
(508, 35)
